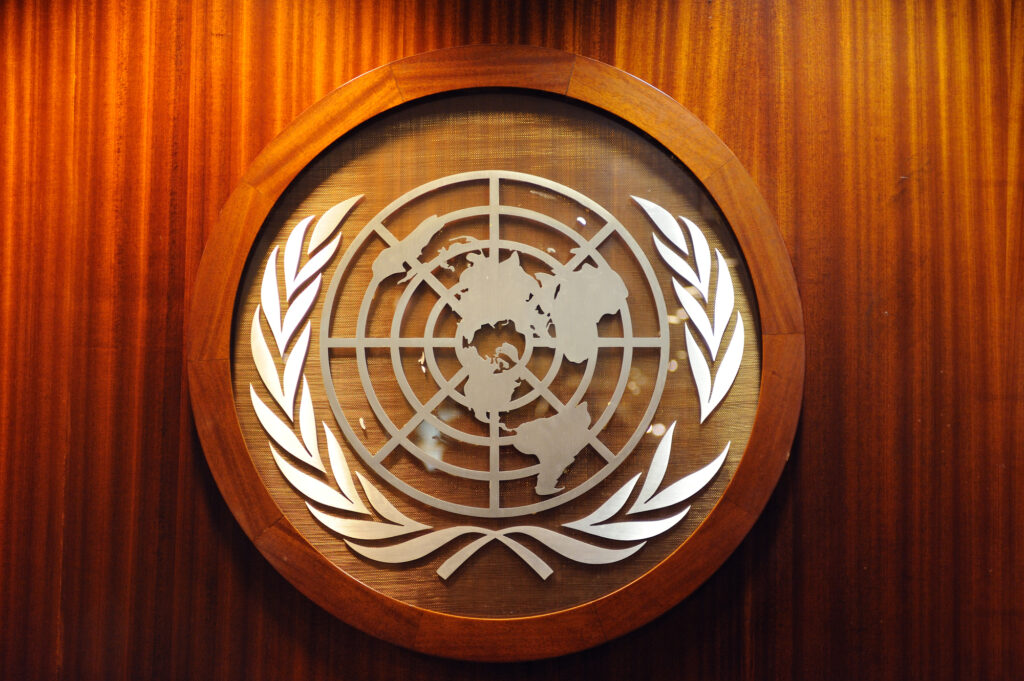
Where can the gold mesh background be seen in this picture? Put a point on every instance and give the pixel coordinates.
(585, 150)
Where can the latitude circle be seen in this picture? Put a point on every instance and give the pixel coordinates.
(540, 255)
(399, 436)
(439, 378)
(430, 361)
(532, 251)
(549, 376)
(465, 350)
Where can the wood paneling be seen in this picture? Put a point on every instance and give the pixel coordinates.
(35, 401)
(886, 138)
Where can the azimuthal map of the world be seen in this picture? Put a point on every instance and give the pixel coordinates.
(514, 327)
(495, 344)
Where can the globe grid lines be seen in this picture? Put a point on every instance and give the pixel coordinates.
(494, 441)
(422, 273)
(459, 249)
(586, 248)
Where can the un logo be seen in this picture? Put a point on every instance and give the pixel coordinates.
(510, 336)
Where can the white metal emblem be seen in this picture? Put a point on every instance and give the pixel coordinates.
(499, 305)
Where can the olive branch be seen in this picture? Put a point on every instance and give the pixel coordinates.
(282, 372)
(301, 288)
(709, 392)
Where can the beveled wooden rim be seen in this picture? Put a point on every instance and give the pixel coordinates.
(782, 338)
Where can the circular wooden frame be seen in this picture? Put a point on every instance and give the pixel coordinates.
(782, 342)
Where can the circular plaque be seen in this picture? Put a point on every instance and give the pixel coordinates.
(496, 353)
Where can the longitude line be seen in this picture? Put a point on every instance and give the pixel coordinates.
(601, 447)
(412, 423)
(494, 488)
(592, 245)
(493, 203)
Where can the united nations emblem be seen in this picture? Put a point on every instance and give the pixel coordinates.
(496, 355)
(510, 337)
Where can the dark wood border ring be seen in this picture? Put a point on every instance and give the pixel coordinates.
(782, 337)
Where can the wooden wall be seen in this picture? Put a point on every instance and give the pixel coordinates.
(887, 138)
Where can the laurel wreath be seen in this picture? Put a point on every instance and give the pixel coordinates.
(341, 508)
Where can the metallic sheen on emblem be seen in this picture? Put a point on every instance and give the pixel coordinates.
(508, 301)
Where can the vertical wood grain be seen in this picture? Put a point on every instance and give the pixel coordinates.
(127, 319)
(36, 96)
(888, 140)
